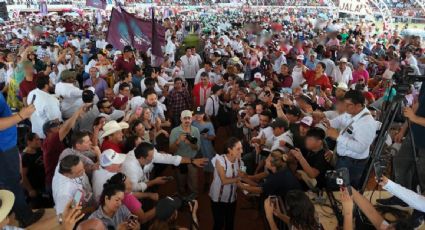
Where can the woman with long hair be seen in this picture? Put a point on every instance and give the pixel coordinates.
(207, 132)
(301, 214)
(152, 126)
(131, 198)
(224, 184)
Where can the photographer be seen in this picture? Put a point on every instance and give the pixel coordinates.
(404, 161)
(184, 141)
(166, 212)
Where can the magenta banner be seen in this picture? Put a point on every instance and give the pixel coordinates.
(100, 4)
(126, 29)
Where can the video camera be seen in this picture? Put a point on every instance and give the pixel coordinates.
(340, 177)
(404, 78)
(192, 139)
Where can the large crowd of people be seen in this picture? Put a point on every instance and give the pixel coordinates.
(261, 105)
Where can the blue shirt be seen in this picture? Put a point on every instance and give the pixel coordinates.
(61, 39)
(8, 137)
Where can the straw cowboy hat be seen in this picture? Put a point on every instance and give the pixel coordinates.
(112, 127)
(6, 203)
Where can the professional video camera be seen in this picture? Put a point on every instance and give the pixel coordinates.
(340, 176)
(404, 78)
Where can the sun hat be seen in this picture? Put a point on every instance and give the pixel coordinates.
(112, 127)
(110, 157)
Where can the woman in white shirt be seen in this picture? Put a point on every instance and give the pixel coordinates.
(223, 188)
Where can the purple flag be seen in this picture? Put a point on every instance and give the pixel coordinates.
(100, 4)
(43, 8)
(126, 29)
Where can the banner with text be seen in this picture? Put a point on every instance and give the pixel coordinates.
(358, 7)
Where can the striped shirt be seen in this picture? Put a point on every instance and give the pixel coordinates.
(218, 191)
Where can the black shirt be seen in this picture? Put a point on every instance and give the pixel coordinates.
(280, 183)
(34, 163)
(317, 160)
(418, 130)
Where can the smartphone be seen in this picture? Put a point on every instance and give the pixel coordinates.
(379, 170)
(274, 200)
(77, 198)
(33, 99)
(318, 89)
(132, 218)
(243, 168)
(206, 130)
(138, 111)
(169, 178)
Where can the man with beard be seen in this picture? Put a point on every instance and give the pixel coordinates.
(152, 103)
(183, 143)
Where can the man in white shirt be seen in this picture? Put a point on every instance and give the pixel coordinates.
(140, 162)
(46, 106)
(207, 69)
(110, 164)
(69, 178)
(190, 66)
(297, 72)
(213, 101)
(70, 94)
(342, 73)
(281, 137)
(279, 61)
(354, 132)
(330, 65)
(171, 48)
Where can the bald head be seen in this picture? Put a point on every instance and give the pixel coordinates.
(91, 224)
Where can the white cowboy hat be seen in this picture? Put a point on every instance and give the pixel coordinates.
(110, 157)
(112, 127)
(7, 199)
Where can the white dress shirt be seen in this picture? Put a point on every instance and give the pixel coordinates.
(64, 189)
(211, 106)
(190, 66)
(342, 77)
(99, 178)
(46, 109)
(139, 175)
(71, 98)
(409, 197)
(268, 134)
(363, 131)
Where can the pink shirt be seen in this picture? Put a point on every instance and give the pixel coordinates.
(132, 203)
(358, 74)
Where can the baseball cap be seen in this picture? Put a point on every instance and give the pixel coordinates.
(110, 157)
(342, 86)
(200, 110)
(300, 57)
(258, 75)
(344, 60)
(166, 207)
(279, 123)
(186, 113)
(127, 49)
(306, 99)
(308, 121)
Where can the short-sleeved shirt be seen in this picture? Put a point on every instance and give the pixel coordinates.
(184, 149)
(34, 163)
(52, 147)
(8, 137)
(121, 215)
(132, 203)
(126, 66)
(318, 161)
(280, 183)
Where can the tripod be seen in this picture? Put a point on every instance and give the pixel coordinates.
(390, 112)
